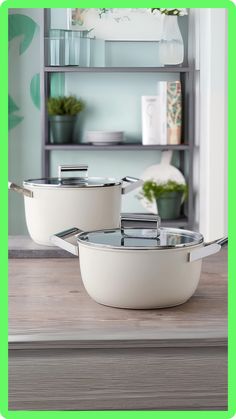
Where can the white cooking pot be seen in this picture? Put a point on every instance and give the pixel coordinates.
(139, 268)
(54, 204)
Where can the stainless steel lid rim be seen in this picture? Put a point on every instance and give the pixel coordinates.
(72, 183)
(117, 239)
(135, 249)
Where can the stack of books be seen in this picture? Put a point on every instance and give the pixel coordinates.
(162, 115)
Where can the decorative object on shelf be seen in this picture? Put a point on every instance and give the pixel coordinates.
(104, 137)
(117, 23)
(169, 197)
(151, 123)
(170, 115)
(77, 47)
(161, 173)
(171, 46)
(62, 111)
(56, 47)
(68, 47)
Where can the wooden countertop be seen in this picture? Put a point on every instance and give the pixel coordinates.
(48, 307)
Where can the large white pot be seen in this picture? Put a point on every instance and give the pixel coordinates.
(55, 204)
(140, 272)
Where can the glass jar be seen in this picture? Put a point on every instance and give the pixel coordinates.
(171, 46)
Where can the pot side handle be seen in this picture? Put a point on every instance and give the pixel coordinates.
(66, 240)
(23, 191)
(207, 250)
(132, 184)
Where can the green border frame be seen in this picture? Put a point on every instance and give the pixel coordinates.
(4, 207)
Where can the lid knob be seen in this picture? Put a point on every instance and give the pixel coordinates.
(72, 168)
(150, 218)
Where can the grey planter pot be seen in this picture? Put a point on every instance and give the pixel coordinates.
(169, 205)
(62, 128)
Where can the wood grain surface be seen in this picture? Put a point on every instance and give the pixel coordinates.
(67, 352)
(87, 379)
(48, 303)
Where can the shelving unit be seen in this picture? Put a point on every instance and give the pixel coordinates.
(186, 74)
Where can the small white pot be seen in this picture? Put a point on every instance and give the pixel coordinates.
(139, 271)
(55, 204)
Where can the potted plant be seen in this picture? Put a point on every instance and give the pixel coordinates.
(62, 111)
(169, 197)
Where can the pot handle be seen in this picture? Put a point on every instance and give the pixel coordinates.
(72, 168)
(23, 191)
(207, 250)
(67, 240)
(154, 218)
(143, 218)
(133, 183)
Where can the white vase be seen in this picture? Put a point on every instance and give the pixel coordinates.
(171, 46)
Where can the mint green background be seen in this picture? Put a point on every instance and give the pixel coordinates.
(113, 101)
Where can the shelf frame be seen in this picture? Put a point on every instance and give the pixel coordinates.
(77, 69)
(125, 146)
(187, 77)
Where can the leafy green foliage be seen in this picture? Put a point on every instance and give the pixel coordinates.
(64, 105)
(169, 12)
(152, 190)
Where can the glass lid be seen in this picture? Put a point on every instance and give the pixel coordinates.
(80, 181)
(141, 238)
(73, 182)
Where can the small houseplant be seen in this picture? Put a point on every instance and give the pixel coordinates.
(169, 197)
(62, 111)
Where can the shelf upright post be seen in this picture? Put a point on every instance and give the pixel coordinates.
(44, 90)
(191, 133)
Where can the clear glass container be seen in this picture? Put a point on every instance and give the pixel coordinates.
(56, 47)
(171, 46)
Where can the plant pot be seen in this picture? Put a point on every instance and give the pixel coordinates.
(62, 128)
(169, 205)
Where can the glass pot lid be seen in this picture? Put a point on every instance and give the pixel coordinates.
(80, 181)
(141, 238)
(72, 182)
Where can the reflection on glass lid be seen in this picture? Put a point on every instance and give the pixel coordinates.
(136, 238)
(75, 182)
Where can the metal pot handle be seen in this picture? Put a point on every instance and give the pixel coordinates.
(133, 183)
(72, 168)
(62, 240)
(23, 191)
(208, 249)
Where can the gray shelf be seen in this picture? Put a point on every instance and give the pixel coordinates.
(76, 69)
(127, 146)
(186, 74)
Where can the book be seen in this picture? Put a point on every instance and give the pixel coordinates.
(151, 120)
(170, 97)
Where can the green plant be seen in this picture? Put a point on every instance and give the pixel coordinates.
(170, 12)
(152, 190)
(64, 105)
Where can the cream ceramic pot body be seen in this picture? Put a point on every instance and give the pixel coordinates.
(144, 277)
(52, 210)
(54, 204)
